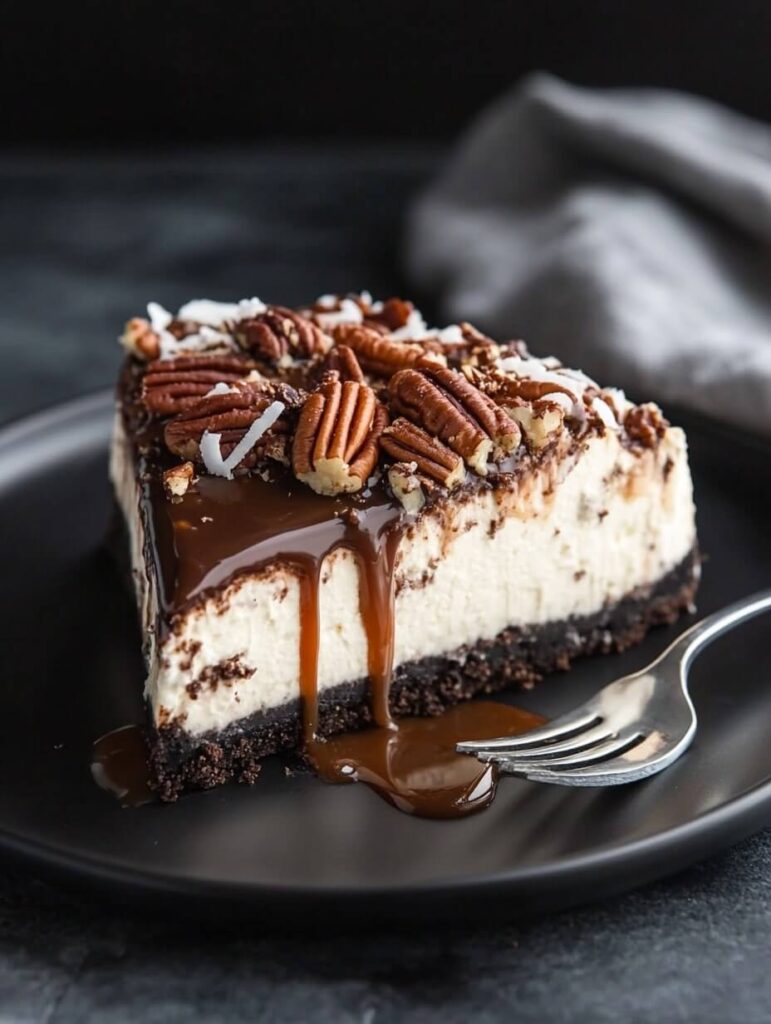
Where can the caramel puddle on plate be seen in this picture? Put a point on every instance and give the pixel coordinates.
(415, 766)
(119, 766)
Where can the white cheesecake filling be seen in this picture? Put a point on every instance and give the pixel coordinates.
(572, 539)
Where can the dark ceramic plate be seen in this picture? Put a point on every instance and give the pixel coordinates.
(295, 848)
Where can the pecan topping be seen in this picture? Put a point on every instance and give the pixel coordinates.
(476, 349)
(181, 328)
(408, 442)
(451, 408)
(376, 353)
(475, 338)
(407, 485)
(280, 332)
(504, 389)
(342, 360)
(140, 339)
(540, 421)
(177, 480)
(173, 385)
(645, 424)
(335, 448)
(382, 317)
(230, 415)
(394, 314)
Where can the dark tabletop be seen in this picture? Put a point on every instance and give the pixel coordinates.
(86, 242)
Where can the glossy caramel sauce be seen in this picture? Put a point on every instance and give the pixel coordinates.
(224, 528)
(119, 765)
(415, 765)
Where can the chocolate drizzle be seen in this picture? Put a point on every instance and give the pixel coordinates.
(225, 528)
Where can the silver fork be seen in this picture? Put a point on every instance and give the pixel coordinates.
(633, 728)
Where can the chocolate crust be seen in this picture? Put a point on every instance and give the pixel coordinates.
(515, 658)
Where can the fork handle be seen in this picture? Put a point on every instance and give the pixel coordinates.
(701, 634)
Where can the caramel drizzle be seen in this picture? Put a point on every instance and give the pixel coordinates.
(226, 527)
(376, 560)
(413, 765)
(309, 578)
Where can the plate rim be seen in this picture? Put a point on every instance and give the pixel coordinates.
(706, 834)
(710, 825)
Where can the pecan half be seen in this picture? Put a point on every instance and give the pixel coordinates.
(172, 385)
(381, 317)
(177, 480)
(474, 337)
(540, 421)
(342, 360)
(140, 339)
(453, 409)
(280, 332)
(394, 314)
(407, 442)
(376, 353)
(181, 328)
(645, 425)
(231, 415)
(335, 446)
(503, 388)
(476, 349)
(408, 485)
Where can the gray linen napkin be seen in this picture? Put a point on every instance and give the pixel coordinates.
(626, 231)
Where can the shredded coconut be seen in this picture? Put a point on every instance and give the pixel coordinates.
(580, 376)
(207, 337)
(534, 369)
(159, 317)
(247, 308)
(214, 314)
(349, 313)
(574, 382)
(169, 346)
(221, 389)
(605, 413)
(450, 334)
(618, 399)
(561, 399)
(414, 329)
(211, 453)
(205, 311)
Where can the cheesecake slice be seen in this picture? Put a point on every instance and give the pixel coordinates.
(338, 516)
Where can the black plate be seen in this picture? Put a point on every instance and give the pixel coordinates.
(295, 847)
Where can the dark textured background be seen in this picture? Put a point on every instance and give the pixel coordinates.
(102, 73)
(87, 243)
